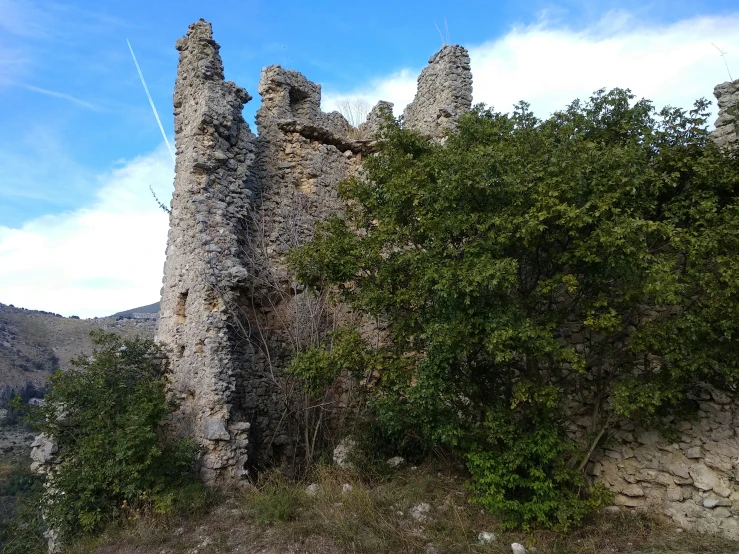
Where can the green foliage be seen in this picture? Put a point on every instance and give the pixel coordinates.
(521, 472)
(608, 225)
(16, 410)
(21, 525)
(106, 416)
(319, 366)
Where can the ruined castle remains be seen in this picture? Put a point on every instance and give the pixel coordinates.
(231, 316)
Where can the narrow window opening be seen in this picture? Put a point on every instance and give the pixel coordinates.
(180, 309)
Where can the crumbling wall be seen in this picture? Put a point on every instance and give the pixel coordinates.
(302, 155)
(444, 93)
(727, 98)
(231, 314)
(693, 479)
(213, 191)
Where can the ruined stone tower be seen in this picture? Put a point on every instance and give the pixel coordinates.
(444, 93)
(230, 315)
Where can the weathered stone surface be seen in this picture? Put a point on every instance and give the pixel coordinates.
(420, 512)
(43, 450)
(215, 430)
(396, 461)
(197, 325)
(727, 98)
(632, 490)
(485, 537)
(694, 452)
(674, 494)
(444, 93)
(376, 118)
(629, 501)
(704, 478)
(313, 489)
(343, 453)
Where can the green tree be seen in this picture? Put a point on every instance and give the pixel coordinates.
(527, 263)
(106, 416)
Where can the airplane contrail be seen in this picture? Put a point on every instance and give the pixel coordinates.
(143, 82)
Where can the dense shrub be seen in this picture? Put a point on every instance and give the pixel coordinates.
(107, 417)
(609, 219)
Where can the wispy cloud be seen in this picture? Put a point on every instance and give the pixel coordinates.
(22, 18)
(549, 65)
(63, 96)
(98, 259)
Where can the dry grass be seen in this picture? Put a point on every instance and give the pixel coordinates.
(279, 516)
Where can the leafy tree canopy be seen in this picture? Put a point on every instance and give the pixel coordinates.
(525, 263)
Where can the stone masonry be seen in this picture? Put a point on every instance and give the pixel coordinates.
(693, 480)
(727, 98)
(213, 193)
(444, 93)
(231, 315)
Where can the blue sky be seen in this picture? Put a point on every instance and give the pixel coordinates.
(79, 146)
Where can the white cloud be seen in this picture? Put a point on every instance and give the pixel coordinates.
(95, 260)
(398, 88)
(549, 66)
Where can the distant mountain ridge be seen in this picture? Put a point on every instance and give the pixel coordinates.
(150, 311)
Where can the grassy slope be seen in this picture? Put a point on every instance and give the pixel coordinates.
(375, 517)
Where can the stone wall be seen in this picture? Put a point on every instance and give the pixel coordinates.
(302, 154)
(727, 98)
(694, 480)
(230, 315)
(444, 93)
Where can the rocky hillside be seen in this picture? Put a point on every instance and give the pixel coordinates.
(34, 343)
(151, 311)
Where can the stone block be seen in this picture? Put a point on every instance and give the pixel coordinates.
(720, 397)
(664, 479)
(628, 501)
(632, 490)
(613, 454)
(694, 452)
(649, 438)
(674, 494)
(215, 430)
(704, 478)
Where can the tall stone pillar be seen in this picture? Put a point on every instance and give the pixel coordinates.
(200, 325)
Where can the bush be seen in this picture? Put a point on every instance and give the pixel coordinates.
(488, 255)
(107, 416)
(521, 472)
(21, 525)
